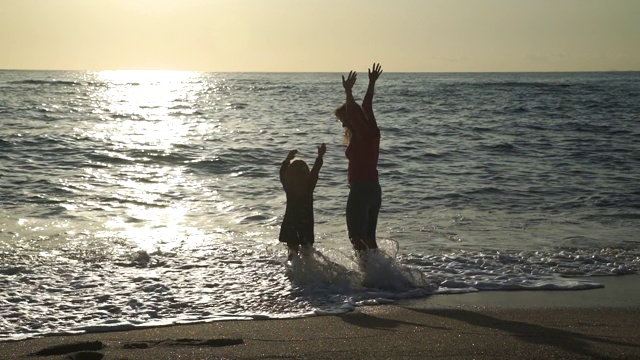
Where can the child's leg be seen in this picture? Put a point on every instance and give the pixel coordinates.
(307, 241)
(294, 249)
(306, 249)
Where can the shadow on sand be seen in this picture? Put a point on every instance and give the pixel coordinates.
(569, 341)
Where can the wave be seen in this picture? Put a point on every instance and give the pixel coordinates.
(502, 147)
(521, 84)
(73, 83)
(216, 165)
(4, 144)
(109, 158)
(482, 129)
(139, 156)
(515, 109)
(621, 216)
(159, 156)
(228, 280)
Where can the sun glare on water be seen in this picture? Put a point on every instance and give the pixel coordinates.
(157, 97)
(145, 115)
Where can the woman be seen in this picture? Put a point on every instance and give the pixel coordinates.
(362, 137)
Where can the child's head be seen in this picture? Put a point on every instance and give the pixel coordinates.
(297, 174)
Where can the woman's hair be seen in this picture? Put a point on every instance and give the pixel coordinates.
(348, 133)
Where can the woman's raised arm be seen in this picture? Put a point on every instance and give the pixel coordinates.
(367, 103)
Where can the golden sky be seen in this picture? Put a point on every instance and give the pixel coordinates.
(321, 35)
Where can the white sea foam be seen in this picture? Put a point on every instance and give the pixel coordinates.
(43, 294)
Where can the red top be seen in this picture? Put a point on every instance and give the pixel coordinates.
(364, 146)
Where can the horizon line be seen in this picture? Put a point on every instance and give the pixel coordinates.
(338, 72)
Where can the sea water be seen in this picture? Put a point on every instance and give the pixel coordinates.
(147, 198)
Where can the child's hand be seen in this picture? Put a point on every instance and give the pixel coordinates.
(291, 155)
(322, 149)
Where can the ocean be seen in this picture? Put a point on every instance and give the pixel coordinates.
(145, 198)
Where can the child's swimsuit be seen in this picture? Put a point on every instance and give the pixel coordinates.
(297, 225)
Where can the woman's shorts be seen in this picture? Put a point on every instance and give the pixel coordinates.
(363, 206)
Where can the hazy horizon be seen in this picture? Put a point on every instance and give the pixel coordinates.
(408, 36)
(329, 72)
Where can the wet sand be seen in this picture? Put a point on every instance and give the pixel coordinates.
(598, 323)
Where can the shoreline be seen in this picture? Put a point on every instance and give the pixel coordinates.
(489, 324)
(620, 291)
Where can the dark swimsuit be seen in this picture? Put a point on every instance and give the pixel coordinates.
(297, 225)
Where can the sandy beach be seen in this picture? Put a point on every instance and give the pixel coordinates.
(599, 323)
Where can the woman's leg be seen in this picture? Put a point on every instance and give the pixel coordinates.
(356, 216)
(363, 207)
(372, 216)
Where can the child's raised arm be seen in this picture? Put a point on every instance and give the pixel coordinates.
(315, 171)
(285, 165)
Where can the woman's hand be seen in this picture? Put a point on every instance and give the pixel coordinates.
(322, 149)
(375, 73)
(350, 81)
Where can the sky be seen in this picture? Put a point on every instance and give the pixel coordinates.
(321, 35)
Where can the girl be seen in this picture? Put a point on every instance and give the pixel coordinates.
(298, 183)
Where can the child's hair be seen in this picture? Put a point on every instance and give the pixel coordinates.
(297, 172)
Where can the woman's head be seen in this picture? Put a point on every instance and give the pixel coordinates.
(341, 114)
(297, 174)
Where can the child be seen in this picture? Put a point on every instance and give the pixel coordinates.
(298, 183)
